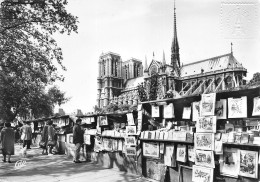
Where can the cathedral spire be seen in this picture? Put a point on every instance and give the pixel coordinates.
(145, 64)
(175, 56)
(163, 61)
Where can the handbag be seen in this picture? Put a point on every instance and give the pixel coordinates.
(42, 144)
(51, 143)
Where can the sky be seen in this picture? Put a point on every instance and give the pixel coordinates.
(137, 28)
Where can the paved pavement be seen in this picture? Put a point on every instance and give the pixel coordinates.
(43, 168)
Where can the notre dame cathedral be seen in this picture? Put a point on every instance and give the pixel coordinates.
(118, 79)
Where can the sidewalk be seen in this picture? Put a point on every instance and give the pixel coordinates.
(59, 168)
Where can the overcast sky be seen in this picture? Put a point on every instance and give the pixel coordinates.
(137, 28)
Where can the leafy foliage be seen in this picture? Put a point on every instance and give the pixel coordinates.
(255, 80)
(141, 92)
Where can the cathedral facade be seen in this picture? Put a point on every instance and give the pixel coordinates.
(118, 80)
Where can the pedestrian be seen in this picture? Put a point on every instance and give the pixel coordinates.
(26, 135)
(78, 139)
(7, 141)
(51, 137)
(44, 140)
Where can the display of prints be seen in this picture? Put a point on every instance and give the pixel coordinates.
(204, 141)
(130, 130)
(208, 104)
(191, 153)
(168, 155)
(87, 140)
(181, 153)
(155, 111)
(130, 151)
(256, 108)
(237, 107)
(195, 111)
(168, 111)
(130, 119)
(161, 148)
(151, 149)
(248, 163)
(229, 162)
(186, 113)
(103, 120)
(221, 109)
(130, 140)
(204, 158)
(206, 124)
(202, 174)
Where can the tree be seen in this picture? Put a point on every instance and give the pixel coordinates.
(30, 57)
(255, 80)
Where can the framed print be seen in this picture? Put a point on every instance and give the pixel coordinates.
(218, 147)
(155, 111)
(87, 140)
(207, 106)
(151, 149)
(256, 108)
(130, 140)
(130, 119)
(130, 151)
(169, 156)
(248, 164)
(237, 107)
(195, 111)
(103, 120)
(120, 145)
(168, 111)
(206, 124)
(202, 174)
(186, 113)
(181, 153)
(161, 148)
(130, 130)
(98, 146)
(204, 141)
(139, 120)
(229, 162)
(204, 158)
(221, 109)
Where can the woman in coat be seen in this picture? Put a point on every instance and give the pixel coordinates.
(7, 140)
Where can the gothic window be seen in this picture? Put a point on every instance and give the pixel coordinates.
(112, 67)
(115, 68)
(126, 73)
(153, 70)
(228, 82)
(104, 68)
(138, 71)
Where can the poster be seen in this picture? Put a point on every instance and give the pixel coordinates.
(130, 141)
(248, 163)
(169, 157)
(181, 153)
(168, 111)
(103, 120)
(191, 153)
(98, 146)
(208, 104)
(204, 158)
(139, 120)
(130, 151)
(130, 119)
(202, 174)
(221, 109)
(87, 140)
(161, 148)
(256, 108)
(155, 111)
(206, 124)
(186, 113)
(130, 130)
(229, 162)
(237, 107)
(204, 141)
(195, 111)
(120, 145)
(151, 149)
(218, 147)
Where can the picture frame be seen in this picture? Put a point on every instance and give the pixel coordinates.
(169, 156)
(206, 124)
(130, 151)
(130, 119)
(207, 104)
(155, 111)
(221, 109)
(186, 114)
(130, 130)
(248, 163)
(103, 120)
(195, 111)
(151, 149)
(181, 153)
(204, 158)
(200, 174)
(130, 140)
(256, 108)
(168, 111)
(87, 140)
(204, 141)
(237, 107)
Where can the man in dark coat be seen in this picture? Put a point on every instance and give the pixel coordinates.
(78, 139)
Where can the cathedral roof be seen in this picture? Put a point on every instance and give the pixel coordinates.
(209, 65)
(133, 83)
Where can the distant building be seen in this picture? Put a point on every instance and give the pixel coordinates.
(118, 80)
(61, 112)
